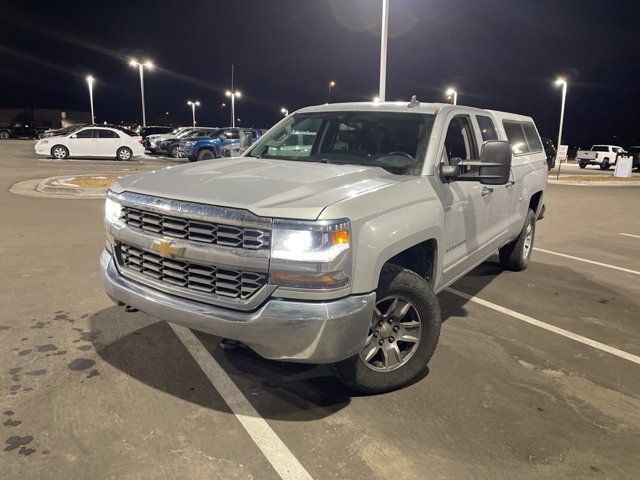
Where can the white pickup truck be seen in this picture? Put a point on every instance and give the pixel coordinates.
(602, 155)
(332, 253)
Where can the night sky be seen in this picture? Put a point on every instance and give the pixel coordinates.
(500, 54)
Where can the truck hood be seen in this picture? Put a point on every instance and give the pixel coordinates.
(270, 188)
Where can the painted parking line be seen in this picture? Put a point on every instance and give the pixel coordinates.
(280, 457)
(614, 267)
(552, 328)
(629, 235)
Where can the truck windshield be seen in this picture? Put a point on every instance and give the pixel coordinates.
(394, 141)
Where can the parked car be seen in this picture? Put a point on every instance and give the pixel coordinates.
(22, 130)
(602, 155)
(550, 152)
(635, 153)
(332, 254)
(92, 141)
(170, 146)
(151, 140)
(154, 130)
(208, 148)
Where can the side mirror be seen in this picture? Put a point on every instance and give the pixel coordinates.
(494, 166)
(74, 136)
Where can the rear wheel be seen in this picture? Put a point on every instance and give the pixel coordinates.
(40, 135)
(60, 152)
(583, 165)
(124, 153)
(402, 337)
(517, 254)
(4, 135)
(206, 155)
(173, 151)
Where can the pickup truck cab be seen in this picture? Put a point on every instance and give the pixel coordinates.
(211, 146)
(333, 253)
(602, 155)
(22, 130)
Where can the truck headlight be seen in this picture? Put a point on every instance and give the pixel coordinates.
(112, 211)
(311, 254)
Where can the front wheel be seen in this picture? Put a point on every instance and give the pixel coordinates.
(40, 135)
(173, 151)
(517, 254)
(206, 155)
(605, 164)
(124, 153)
(60, 152)
(4, 135)
(402, 337)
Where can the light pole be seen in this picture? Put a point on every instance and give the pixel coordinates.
(331, 85)
(90, 80)
(133, 62)
(284, 111)
(235, 94)
(453, 95)
(383, 50)
(193, 106)
(561, 82)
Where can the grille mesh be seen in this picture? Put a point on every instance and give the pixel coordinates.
(199, 278)
(196, 230)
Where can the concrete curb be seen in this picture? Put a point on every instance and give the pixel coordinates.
(593, 183)
(47, 186)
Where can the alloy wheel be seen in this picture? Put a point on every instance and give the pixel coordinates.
(394, 334)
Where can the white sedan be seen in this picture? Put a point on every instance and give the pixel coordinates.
(92, 141)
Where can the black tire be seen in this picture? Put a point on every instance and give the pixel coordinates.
(4, 135)
(582, 165)
(173, 151)
(397, 281)
(60, 152)
(517, 254)
(124, 154)
(206, 154)
(40, 135)
(605, 164)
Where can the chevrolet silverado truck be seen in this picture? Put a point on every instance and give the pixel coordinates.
(602, 155)
(334, 253)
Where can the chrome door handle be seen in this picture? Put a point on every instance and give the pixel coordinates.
(510, 183)
(486, 191)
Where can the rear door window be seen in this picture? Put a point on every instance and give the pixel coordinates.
(533, 139)
(487, 128)
(515, 135)
(88, 133)
(107, 134)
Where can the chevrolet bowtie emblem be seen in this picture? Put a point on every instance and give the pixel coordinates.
(166, 248)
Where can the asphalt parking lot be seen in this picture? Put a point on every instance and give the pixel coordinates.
(537, 374)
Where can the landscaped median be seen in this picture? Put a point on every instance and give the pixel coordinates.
(70, 186)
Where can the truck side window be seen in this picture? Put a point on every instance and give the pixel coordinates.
(487, 128)
(533, 139)
(516, 137)
(459, 141)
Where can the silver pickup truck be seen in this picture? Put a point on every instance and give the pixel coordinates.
(332, 253)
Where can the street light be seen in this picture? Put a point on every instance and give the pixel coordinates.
(453, 95)
(193, 106)
(561, 82)
(90, 81)
(284, 111)
(141, 65)
(331, 85)
(383, 49)
(235, 94)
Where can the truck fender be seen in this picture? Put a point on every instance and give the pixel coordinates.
(384, 236)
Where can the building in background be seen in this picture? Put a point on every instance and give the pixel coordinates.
(44, 117)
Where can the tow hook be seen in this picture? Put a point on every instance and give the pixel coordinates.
(130, 309)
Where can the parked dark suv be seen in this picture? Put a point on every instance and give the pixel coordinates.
(635, 153)
(550, 151)
(21, 130)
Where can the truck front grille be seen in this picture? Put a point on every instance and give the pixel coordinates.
(196, 230)
(192, 276)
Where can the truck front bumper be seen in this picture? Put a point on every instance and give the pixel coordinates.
(290, 330)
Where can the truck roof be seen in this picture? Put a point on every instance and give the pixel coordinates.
(403, 106)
